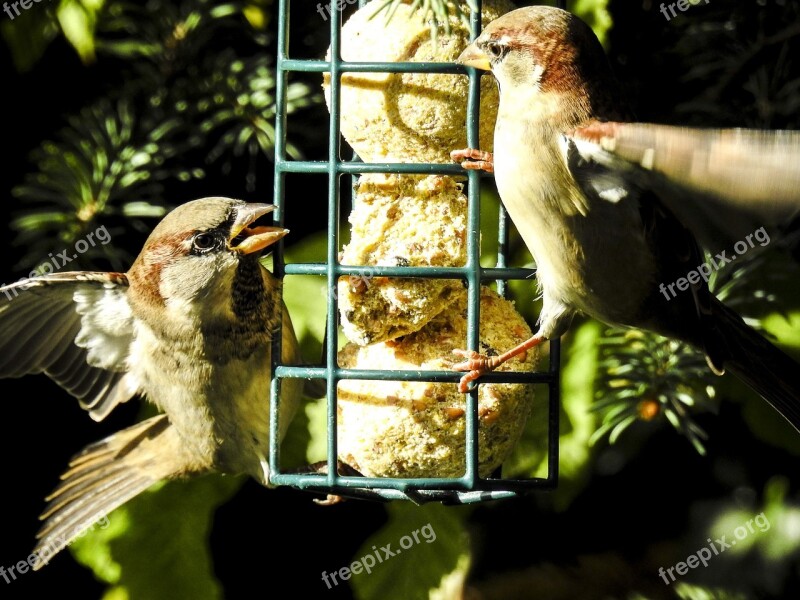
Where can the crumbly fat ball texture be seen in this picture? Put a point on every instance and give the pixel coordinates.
(410, 117)
(417, 429)
(401, 220)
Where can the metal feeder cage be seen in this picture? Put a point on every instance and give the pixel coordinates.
(470, 487)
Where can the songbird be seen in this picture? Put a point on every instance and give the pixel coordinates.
(603, 235)
(189, 327)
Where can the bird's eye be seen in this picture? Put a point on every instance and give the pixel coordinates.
(203, 242)
(495, 49)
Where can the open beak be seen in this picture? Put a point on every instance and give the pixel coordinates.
(245, 239)
(472, 56)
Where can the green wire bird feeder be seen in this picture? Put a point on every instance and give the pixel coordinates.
(470, 487)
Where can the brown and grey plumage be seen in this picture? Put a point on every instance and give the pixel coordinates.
(605, 232)
(189, 327)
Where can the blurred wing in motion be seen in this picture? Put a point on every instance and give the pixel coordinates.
(722, 183)
(729, 200)
(74, 327)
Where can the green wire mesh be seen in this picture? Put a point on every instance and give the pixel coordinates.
(470, 487)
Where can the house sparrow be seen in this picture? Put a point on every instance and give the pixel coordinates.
(189, 327)
(603, 242)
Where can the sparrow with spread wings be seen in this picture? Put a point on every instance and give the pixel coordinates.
(611, 209)
(189, 327)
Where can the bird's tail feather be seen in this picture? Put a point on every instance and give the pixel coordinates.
(104, 476)
(759, 364)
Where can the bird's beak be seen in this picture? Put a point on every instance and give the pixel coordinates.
(472, 56)
(245, 239)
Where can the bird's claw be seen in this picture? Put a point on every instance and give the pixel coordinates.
(330, 500)
(475, 366)
(474, 159)
(321, 467)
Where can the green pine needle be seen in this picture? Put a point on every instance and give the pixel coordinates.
(643, 376)
(104, 164)
(435, 12)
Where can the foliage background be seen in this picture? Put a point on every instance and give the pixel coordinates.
(176, 107)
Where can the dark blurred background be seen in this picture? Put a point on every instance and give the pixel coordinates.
(625, 510)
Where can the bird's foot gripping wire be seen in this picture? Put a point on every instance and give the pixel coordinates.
(474, 159)
(480, 364)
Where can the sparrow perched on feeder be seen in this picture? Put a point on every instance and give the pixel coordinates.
(603, 231)
(189, 327)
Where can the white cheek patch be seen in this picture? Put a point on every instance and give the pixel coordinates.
(538, 71)
(197, 299)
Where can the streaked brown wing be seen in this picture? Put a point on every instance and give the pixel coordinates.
(74, 327)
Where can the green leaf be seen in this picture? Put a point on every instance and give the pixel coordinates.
(529, 458)
(578, 421)
(128, 49)
(78, 19)
(783, 517)
(316, 414)
(688, 591)
(296, 442)
(595, 13)
(306, 295)
(257, 16)
(28, 36)
(786, 328)
(149, 536)
(438, 557)
(577, 390)
(144, 210)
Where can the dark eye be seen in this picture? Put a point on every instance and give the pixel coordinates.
(495, 50)
(204, 242)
